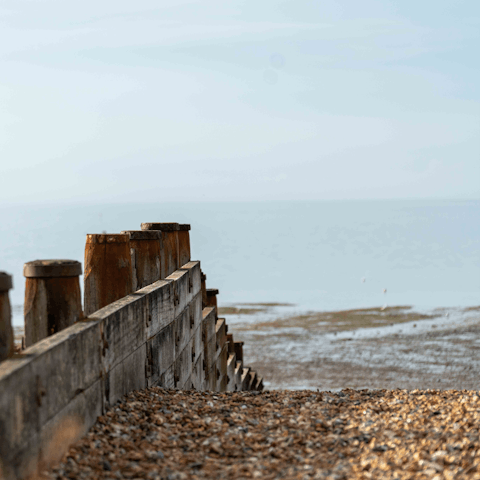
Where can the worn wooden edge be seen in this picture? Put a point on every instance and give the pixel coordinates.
(252, 378)
(52, 268)
(162, 226)
(177, 274)
(190, 264)
(33, 353)
(110, 309)
(6, 282)
(207, 311)
(143, 234)
(70, 424)
(107, 238)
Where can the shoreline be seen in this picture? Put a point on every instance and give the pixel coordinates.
(394, 347)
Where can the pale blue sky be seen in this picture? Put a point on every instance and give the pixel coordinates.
(108, 101)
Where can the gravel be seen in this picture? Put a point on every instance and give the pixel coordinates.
(379, 434)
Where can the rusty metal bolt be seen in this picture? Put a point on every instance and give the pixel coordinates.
(146, 253)
(108, 270)
(6, 330)
(52, 297)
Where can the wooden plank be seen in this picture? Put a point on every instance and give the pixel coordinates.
(123, 328)
(259, 384)
(252, 378)
(194, 279)
(222, 383)
(231, 343)
(211, 298)
(180, 290)
(222, 358)
(126, 376)
(211, 378)
(167, 379)
(188, 385)
(209, 345)
(195, 307)
(198, 374)
(160, 309)
(238, 346)
(183, 333)
(209, 354)
(70, 424)
(197, 344)
(238, 375)
(40, 382)
(245, 378)
(231, 384)
(208, 319)
(221, 332)
(183, 244)
(183, 366)
(161, 351)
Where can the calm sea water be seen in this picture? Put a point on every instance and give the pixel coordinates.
(319, 255)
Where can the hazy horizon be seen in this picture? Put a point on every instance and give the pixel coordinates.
(207, 101)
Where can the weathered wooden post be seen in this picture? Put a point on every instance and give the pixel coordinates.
(212, 299)
(52, 297)
(169, 242)
(6, 330)
(238, 347)
(108, 270)
(203, 277)
(146, 253)
(183, 244)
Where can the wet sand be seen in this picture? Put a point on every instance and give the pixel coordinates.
(393, 347)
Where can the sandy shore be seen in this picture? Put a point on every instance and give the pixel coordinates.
(393, 347)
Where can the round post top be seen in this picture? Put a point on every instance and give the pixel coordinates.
(107, 238)
(52, 268)
(5, 282)
(162, 226)
(184, 226)
(143, 234)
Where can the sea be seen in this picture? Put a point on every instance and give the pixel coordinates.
(317, 255)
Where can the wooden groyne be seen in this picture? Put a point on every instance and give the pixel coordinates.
(147, 320)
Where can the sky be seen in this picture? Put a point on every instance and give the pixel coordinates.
(118, 101)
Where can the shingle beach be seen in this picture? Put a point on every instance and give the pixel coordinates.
(364, 434)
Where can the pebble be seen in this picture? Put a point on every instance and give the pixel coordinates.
(352, 434)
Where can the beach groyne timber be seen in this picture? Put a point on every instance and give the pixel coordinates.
(165, 334)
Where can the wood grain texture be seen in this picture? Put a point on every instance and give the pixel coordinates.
(6, 330)
(183, 366)
(108, 271)
(231, 363)
(183, 247)
(51, 305)
(36, 385)
(146, 262)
